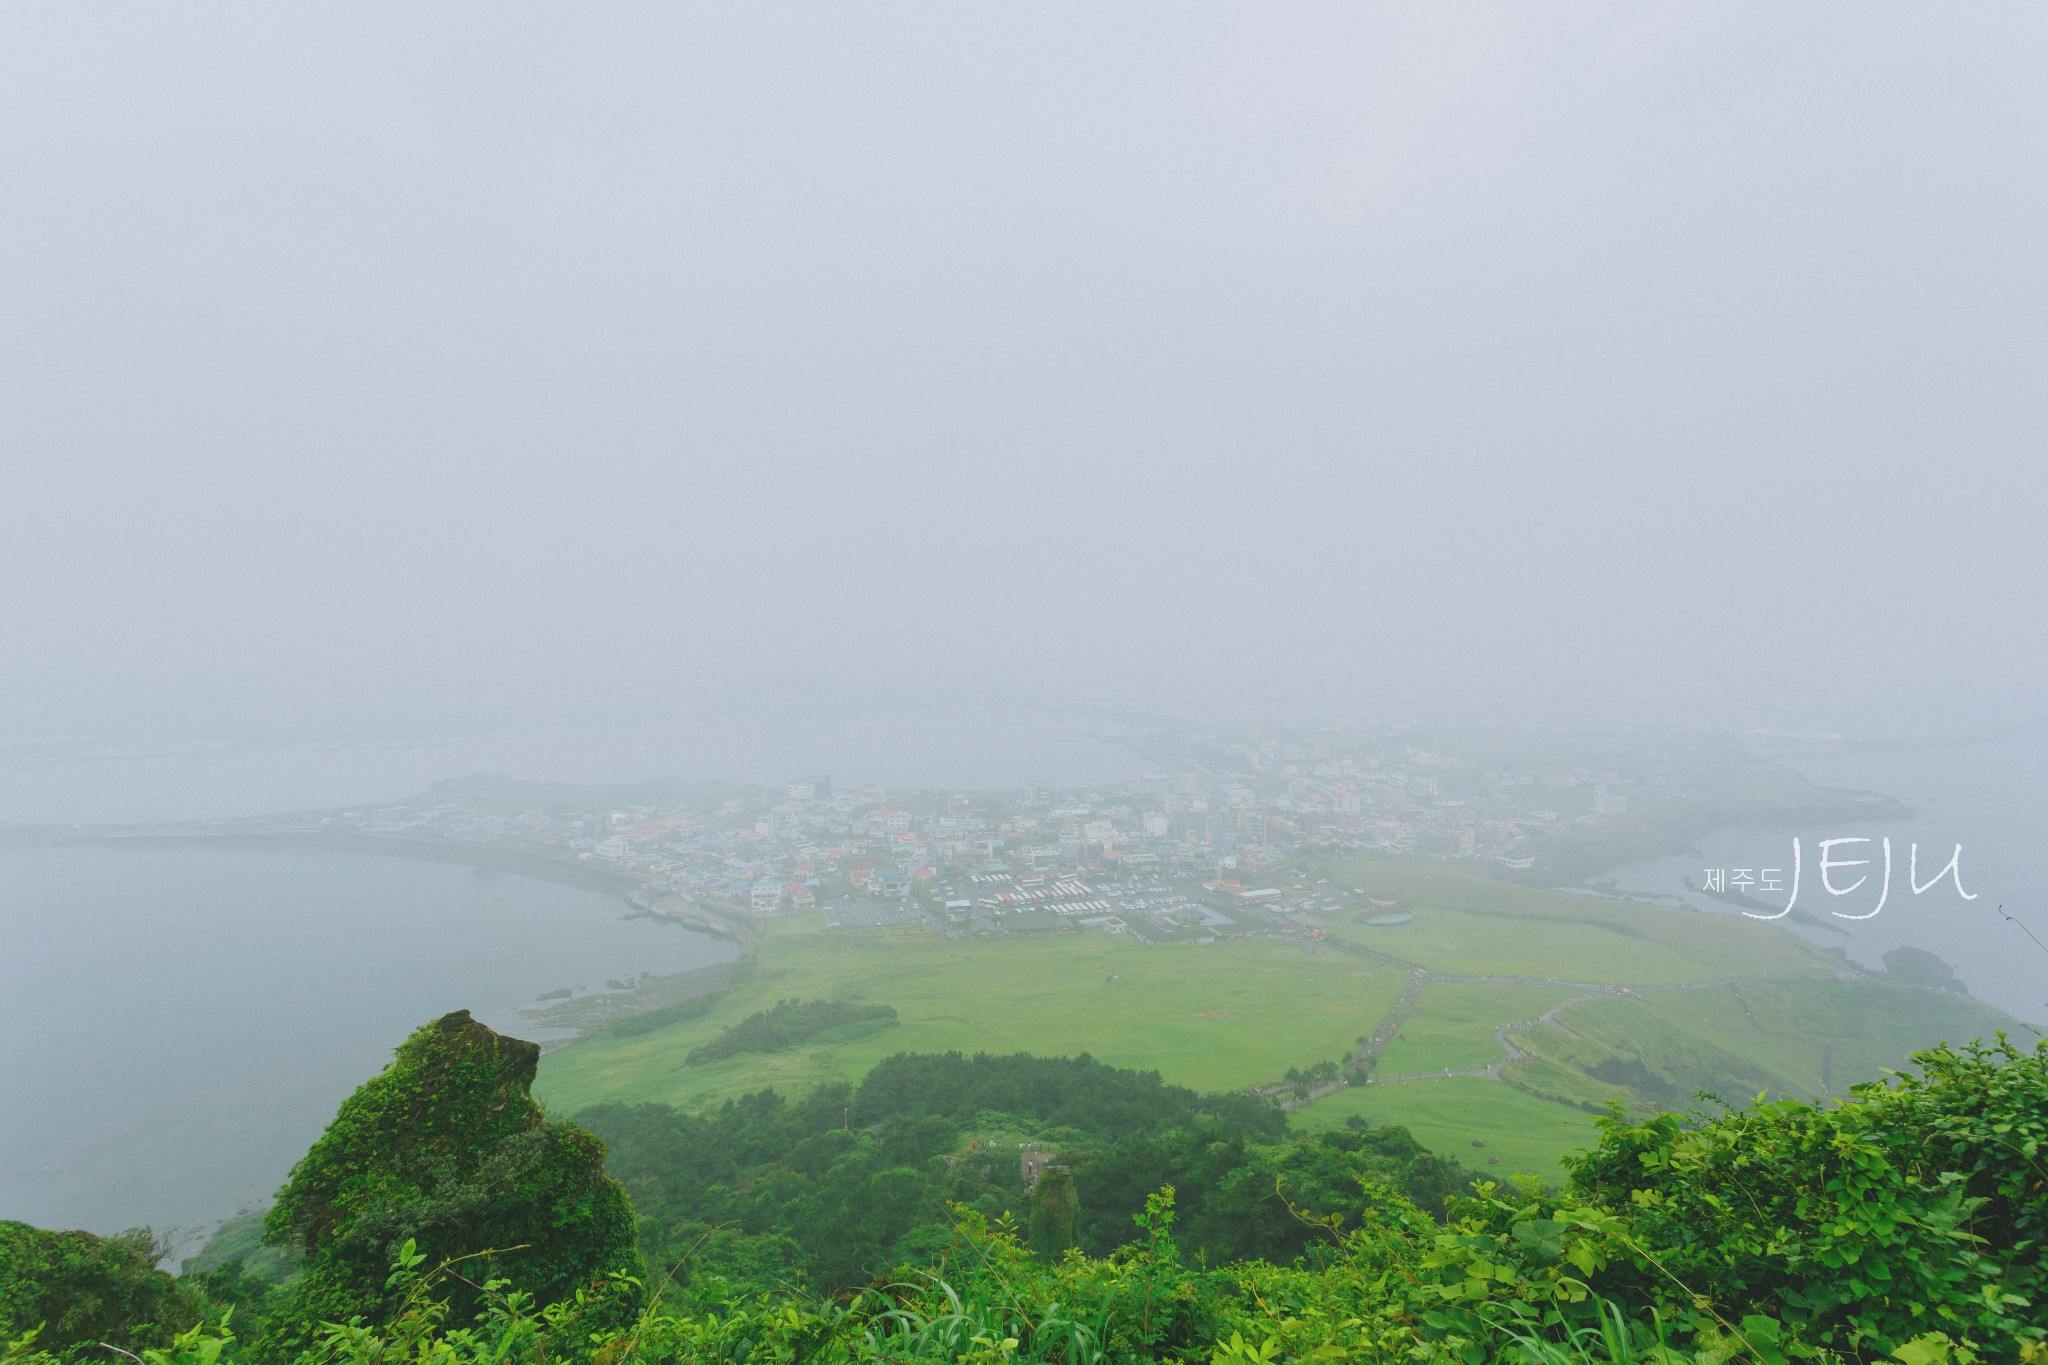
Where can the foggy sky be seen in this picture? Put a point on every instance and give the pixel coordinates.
(359, 363)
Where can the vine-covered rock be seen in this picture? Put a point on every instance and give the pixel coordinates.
(447, 1148)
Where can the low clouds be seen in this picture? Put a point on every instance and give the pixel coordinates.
(402, 362)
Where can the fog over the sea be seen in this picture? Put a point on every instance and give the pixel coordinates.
(371, 369)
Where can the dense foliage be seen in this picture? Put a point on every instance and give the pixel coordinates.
(833, 1189)
(792, 1023)
(1906, 1225)
(1922, 1206)
(81, 1289)
(1078, 1093)
(1245, 1200)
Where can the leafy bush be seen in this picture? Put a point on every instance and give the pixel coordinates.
(1921, 1205)
(77, 1290)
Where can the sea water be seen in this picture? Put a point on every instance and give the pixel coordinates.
(1988, 797)
(178, 1024)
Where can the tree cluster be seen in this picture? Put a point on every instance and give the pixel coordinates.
(444, 1221)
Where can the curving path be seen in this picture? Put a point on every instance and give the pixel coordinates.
(1419, 977)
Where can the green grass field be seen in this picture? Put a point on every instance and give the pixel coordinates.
(1523, 1135)
(1233, 1015)
(1471, 926)
(1216, 1016)
(1452, 1027)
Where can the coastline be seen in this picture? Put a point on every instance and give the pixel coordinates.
(1934, 799)
(262, 978)
(654, 901)
(1591, 858)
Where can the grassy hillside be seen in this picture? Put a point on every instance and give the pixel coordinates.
(1452, 1028)
(1648, 1005)
(1695, 1002)
(1738, 1041)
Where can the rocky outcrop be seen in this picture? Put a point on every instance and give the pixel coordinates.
(447, 1148)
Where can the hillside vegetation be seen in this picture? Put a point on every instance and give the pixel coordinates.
(442, 1221)
(833, 1189)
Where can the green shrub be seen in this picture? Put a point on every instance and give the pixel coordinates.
(75, 1290)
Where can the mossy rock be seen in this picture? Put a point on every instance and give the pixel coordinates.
(447, 1148)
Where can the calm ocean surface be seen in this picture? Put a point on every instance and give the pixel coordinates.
(179, 1024)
